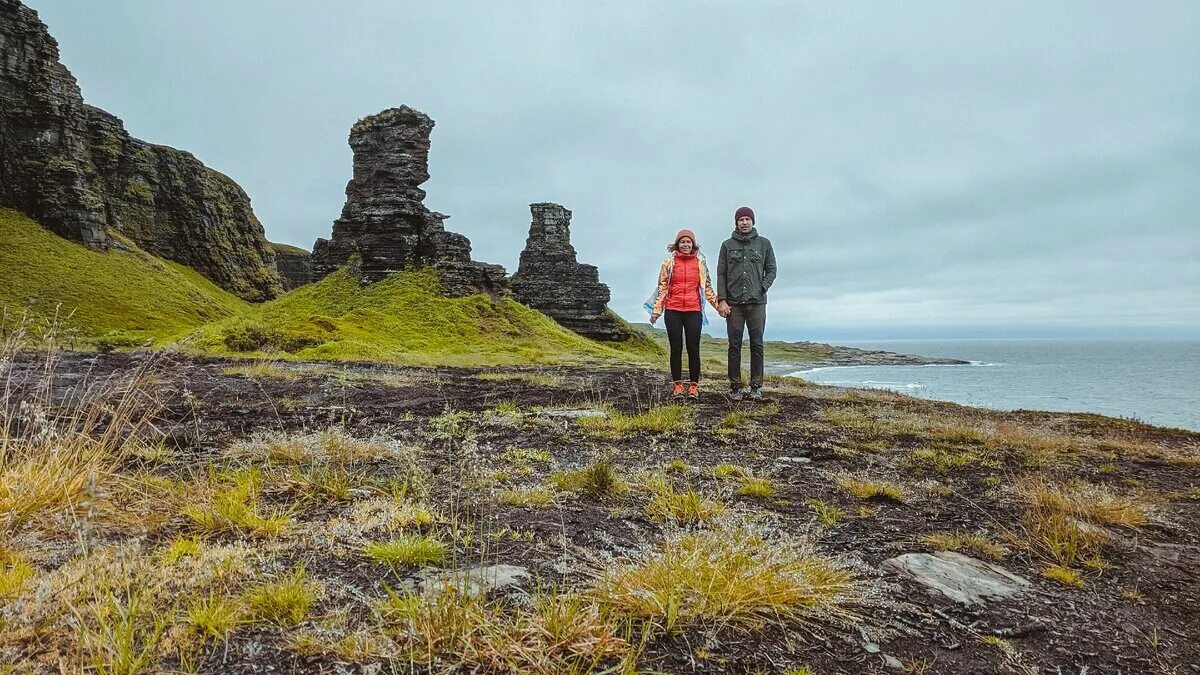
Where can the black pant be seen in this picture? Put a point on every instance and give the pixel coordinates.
(680, 324)
(741, 317)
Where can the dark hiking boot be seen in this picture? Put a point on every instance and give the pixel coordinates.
(755, 393)
(735, 393)
(693, 391)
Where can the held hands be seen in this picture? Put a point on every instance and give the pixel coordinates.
(723, 309)
(654, 319)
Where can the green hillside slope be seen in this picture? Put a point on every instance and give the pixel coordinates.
(132, 293)
(404, 319)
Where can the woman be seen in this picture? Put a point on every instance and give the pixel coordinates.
(683, 286)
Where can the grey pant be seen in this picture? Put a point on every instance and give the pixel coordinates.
(742, 317)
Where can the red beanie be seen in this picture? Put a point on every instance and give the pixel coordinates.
(743, 211)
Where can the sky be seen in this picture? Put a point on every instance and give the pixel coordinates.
(923, 169)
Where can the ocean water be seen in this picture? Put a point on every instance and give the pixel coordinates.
(1156, 381)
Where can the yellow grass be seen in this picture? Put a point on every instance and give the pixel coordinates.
(728, 576)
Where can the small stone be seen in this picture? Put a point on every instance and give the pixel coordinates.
(871, 647)
(892, 662)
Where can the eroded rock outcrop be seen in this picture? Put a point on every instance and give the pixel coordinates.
(75, 169)
(384, 222)
(551, 280)
(294, 265)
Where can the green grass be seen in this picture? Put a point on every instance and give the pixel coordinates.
(656, 420)
(411, 551)
(128, 297)
(402, 319)
(286, 602)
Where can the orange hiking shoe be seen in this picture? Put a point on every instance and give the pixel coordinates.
(694, 391)
(678, 392)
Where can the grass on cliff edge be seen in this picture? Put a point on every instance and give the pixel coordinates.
(404, 319)
(130, 296)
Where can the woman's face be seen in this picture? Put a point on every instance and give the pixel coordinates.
(685, 245)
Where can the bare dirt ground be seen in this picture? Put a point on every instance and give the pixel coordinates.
(1100, 516)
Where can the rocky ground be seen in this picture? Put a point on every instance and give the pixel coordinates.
(914, 536)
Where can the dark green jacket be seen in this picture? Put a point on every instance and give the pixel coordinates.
(745, 269)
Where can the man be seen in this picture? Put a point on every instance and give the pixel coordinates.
(745, 270)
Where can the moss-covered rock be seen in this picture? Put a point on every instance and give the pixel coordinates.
(75, 170)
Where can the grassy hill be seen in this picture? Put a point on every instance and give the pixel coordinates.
(124, 295)
(404, 319)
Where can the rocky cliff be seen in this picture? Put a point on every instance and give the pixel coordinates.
(551, 280)
(294, 265)
(75, 169)
(384, 222)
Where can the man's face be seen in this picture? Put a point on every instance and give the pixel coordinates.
(745, 224)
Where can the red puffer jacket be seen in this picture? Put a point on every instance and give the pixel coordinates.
(683, 294)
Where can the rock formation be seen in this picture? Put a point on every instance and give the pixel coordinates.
(384, 221)
(551, 280)
(74, 169)
(294, 265)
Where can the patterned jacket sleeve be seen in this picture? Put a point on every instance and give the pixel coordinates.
(663, 281)
(709, 293)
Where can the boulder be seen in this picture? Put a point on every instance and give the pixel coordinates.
(961, 578)
(384, 222)
(551, 280)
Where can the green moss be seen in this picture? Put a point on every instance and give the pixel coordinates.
(126, 296)
(287, 248)
(401, 319)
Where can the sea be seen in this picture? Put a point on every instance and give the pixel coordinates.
(1152, 380)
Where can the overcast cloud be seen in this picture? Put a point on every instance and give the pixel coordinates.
(950, 168)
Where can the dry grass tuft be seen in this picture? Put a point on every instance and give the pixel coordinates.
(14, 572)
(1087, 502)
(683, 507)
(233, 506)
(870, 489)
(728, 576)
(656, 420)
(827, 515)
(410, 551)
(1063, 575)
(554, 634)
(730, 471)
(536, 379)
(285, 602)
(751, 486)
(534, 497)
(964, 543)
(599, 479)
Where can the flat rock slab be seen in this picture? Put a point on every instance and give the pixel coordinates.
(961, 578)
(571, 414)
(475, 581)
